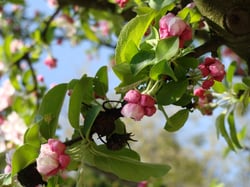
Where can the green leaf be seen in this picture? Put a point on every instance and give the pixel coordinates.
(187, 62)
(141, 60)
(246, 80)
(159, 4)
(50, 109)
(88, 32)
(167, 48)
(23, 156)
(176, 121)
(124, 165)
(161, 68)
(31, 136)
(90, 119)
(230, 72)
(101, 82)
(131, 35)
(219, 87)
(233, 132)
(6, 47)
(171, 92)
(81, 93)
(221, 129)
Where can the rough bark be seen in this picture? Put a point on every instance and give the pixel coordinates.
(230, 20)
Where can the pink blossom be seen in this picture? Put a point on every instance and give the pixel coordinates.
(213, 69)
(147, 100)
(52, 158)
(40, 78)
(50, 62)
(171, 25)
(13, 129)
(6, 94)
(8, 159)
(104, 28)
(2, 119)
(132, 110)
(205, 99)
(16, 45)
(67, 24)
(217, 70)
(122, 3)
(132, 96)
(52, 3)
(142, 184)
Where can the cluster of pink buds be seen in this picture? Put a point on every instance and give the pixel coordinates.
(52, 158)
(211, 69)
(138, 105)
(205, 100)
(50, 62)
(171, 25)
(121, 3)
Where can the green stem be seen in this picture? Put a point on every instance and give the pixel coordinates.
(163, 111)
(155, 88)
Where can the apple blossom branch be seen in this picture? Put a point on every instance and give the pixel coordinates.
(48, 22)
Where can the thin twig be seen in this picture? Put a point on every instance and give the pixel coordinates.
(52, 17)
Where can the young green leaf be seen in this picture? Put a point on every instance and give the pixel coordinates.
(31, 136)
(171, 92)
(82, 93)
(141, 60)
(167, 48)
(161, 68)
(230, 73)
(131, 35)
(50, 109)
(101, 82)
(221, 129)
(233, 132)
(176, 121)
(90, 119)
(22, 157)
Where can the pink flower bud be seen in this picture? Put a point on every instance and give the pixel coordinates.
(147, 101)
(122, 3)
(132, 96)
(149, 111)
(132, 110)
(56, 146)
(171, 25)
(52, 158)
(200, 92)
(64, 161)
(50, 62)
(204, 70)
(208, 83)
(217, 70)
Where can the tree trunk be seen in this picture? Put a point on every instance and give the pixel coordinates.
(230, 20)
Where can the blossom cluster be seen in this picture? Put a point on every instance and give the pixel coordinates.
(211, 69)
(52, 158)
(205, 100)
(171, 25)
(138, 105)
